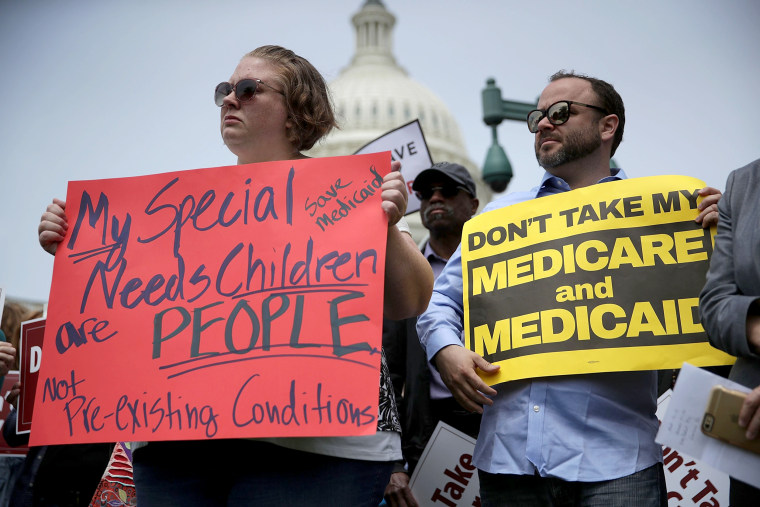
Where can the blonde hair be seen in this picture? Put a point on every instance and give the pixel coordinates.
(307, 98)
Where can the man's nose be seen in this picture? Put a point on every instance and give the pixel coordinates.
(437, 195)
(545, 124)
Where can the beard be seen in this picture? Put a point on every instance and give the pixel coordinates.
(577, 144)
(440, 223)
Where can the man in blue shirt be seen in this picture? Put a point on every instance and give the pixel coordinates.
(568, 440)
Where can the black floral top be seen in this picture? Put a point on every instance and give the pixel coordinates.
(387, 418)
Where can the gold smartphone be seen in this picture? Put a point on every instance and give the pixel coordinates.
(721, 419)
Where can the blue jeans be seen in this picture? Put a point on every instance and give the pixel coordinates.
(246, 472)
(10, 470)
(641, 489)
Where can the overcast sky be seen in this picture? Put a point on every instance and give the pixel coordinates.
(101, 89)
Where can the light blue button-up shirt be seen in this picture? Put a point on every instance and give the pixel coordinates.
(575, 427)
(438, 389)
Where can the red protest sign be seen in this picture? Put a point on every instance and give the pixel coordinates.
(239, 301)
(30, 358)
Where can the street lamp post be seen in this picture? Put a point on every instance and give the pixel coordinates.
(497, 171)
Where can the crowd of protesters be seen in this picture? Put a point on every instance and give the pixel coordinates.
(569, 440)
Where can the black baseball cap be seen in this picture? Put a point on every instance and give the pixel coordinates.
(455, 172)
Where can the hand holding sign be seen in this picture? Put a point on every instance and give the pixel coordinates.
(708, 207)
(459, 370)
(7, 357)
(53, 226)
(13, 394)
(394, 194)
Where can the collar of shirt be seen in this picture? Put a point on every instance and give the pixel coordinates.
(554, 184)
(549, 185)
(436, 261)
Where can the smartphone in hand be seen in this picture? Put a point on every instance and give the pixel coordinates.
(721, 419)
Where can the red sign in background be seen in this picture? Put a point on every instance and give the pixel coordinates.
(30, 359)
(240, 301)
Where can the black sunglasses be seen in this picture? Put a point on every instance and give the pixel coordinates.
(557, 114)
(244, 90)
(447, 191)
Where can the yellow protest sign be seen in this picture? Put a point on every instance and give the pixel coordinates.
(599, 279)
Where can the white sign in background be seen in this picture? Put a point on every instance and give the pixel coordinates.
(445, 474)
(407, 145)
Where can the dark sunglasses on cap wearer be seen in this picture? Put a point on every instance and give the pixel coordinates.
(244, 90)
(557, 114)
(448, 191)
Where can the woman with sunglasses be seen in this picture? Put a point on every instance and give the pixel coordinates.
(275, 106)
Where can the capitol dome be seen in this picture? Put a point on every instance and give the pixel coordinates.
(374, 95)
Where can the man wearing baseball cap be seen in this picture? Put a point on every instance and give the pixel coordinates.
(448, 199)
